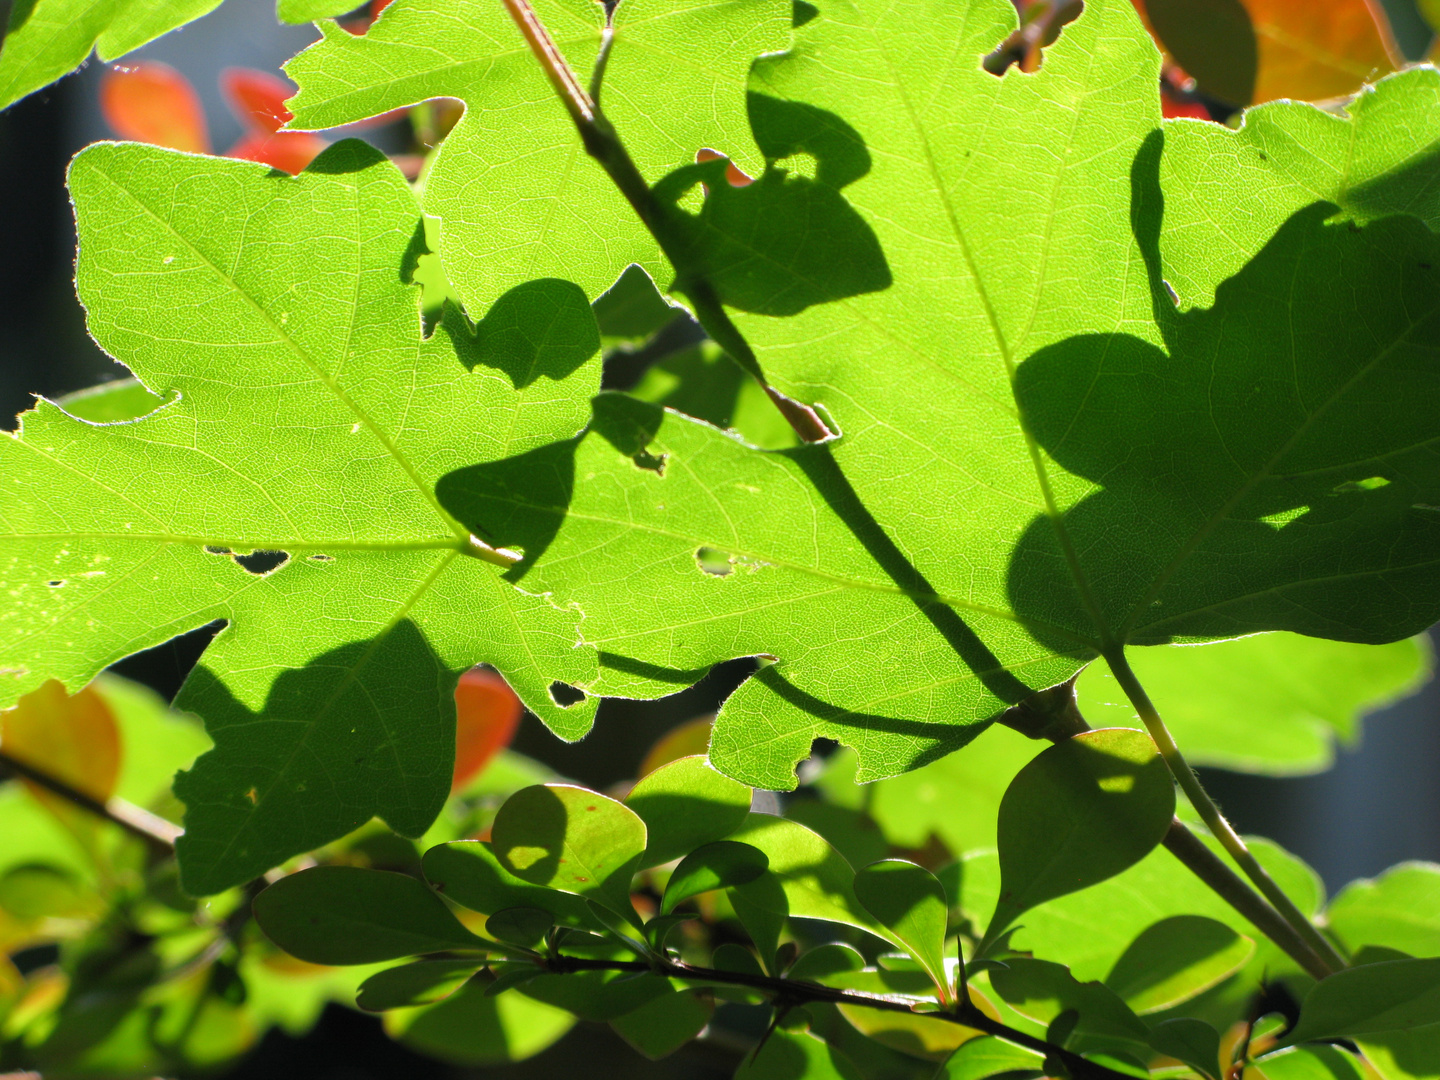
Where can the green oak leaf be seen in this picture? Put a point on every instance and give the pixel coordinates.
(675, 83)
(46, 39)
(1041, 456)
(307, 416)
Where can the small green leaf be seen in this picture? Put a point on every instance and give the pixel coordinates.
(469, 872)
(1400, 909)
(763, 922)
(988, 1056)
(788, 1056)
(922, 1037)
(1314, 1062)
(349, 915)
(597, 995)
(657, 930)
(523, 926)
(909, 901)
(420, 983)
(660, 1027)
(685, 804)
(1081, 812)
(1392, 996)
(37, 890)
(720, 865)
(1192, 1041)
(473, 1028)
(1042, 990)
(1175, 959)
(571, 839)
(817, 964)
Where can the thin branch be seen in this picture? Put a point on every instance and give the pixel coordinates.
(799, 992)
(603, 144)
(135, 820)
(1210, 814)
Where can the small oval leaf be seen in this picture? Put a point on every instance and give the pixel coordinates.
(523, 926)
(469, 872)
(420, 983)
(686, 804)
(1080, 812)
(715, 866)
(1388, 996)
(909, 901)
(1175, 959)
(571, 839)
(350, 915)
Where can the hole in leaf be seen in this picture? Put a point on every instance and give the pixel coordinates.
(646, 460)
(321, 557)
(164, 667)
(1368, 484)
(1040, 26)
(261, 563)
(56, 584)
(714, 561)
(211, 549)
(565, 695)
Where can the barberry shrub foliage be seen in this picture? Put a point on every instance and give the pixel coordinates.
(1038, 446)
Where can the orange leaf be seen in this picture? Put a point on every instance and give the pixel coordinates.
(1312, 51)
(153, 103)
(486, 715)
(72, 738)
(289, 151)
(732, 174)
(257, 97)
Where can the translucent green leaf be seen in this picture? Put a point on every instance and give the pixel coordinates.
(303, 11)
(1081, 812)
(38, 890)
(1371, 160)
(1401, 1055)
(571, 839)
(597, 995)
(923, 1037)
(675, 83)
(420, 983)
(1175, 959)
(1191, 1041)
(720, 865)
(1400, 909)
(686, 804)
(1016, 390)
(988, 1056)
(909, 902)
(1042, 990)
(1392, 996)
(112, 402)
(350, 915)
(469, 1028)
(789, 1055)
(660, 1027)
(329, 699)
(470, 873)
(523, 926)
(832, 958)
(1315, 1062)
(1269, 703)
(46, 39)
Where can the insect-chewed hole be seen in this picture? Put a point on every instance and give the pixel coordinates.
(320, 556)
(261, 563)
(57, 583)
(212, 549)
(1041, 28)
(1368, 484)
(565, 695)
(714, 561)
(646, 460)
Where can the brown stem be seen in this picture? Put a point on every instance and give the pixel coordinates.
(603, 144)
(135, 820)
(798, 992)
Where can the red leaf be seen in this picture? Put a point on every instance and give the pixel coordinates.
(486, 715)
(289, 151)
(257, 97)
(153, 103)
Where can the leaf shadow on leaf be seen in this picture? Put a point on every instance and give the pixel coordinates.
(1408, 188)
(338, 741)
(786, 241)
(1271, 465)
(543, 327)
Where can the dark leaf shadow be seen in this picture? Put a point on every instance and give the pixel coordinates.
(539, 328)
(364, 730)
(1273, 466)
(787, 241)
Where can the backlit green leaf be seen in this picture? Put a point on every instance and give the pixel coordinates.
(469, 872)
(469, 1028)
(349, 915)
(1081, 812)
(989, 1056)
(661, 1026)
(571, 839)
(686, 804)
(1192, 1041)
(1390, 996)
(789, 1055)
(275, 312)
(1175, 959)
(1042, 991)
(420, 983)
(720, 865)
(1314, 1062)
(1400, 909)
(909, 902)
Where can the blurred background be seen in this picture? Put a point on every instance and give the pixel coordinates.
(1380, 804)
